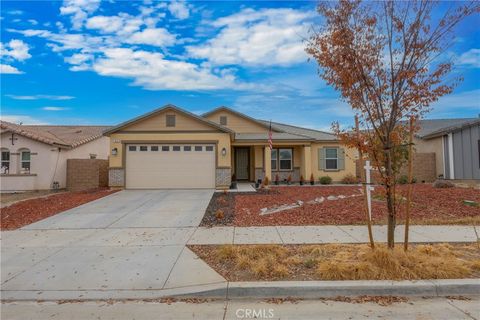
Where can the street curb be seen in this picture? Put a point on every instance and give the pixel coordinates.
(328, 289)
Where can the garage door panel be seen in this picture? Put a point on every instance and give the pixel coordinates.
(170, 169)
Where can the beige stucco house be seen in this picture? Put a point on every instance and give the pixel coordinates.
(34, 157)
(173, 148)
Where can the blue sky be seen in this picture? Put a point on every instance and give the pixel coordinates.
(92, 62)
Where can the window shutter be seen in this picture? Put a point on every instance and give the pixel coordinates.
(321, 158)
(341, 159)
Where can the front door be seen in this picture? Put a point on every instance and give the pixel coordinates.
(241, 163)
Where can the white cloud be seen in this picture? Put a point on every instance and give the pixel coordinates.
(49, 108)
(470, 58)
(33, 21)
(38, 97)
(6, 69)
(79, 10)
(15, 49)
(21, 119)
(263, 37)
(105, 24)
(153, 71)
(179, 9)
(156, 37)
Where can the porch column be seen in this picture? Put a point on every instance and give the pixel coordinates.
(267, 163)
(306, 165)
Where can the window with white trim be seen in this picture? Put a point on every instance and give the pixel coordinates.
(25, 163)
(331, 158)
(274, 159)
(285, 159)
(5, 166)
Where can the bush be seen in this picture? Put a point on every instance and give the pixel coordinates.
(325, 180)
(404, 179)
(443, 184)
(350, 179)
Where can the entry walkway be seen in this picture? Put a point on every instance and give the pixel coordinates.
(330, 234)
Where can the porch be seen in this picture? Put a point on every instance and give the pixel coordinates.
(256, 161)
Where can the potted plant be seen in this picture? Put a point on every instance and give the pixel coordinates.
(312, 179)
(289, 179)
(234, 182)
(277, 179)
(301, 180)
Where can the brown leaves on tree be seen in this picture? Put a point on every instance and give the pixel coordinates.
(383, 57)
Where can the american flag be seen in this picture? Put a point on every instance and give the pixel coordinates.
(270, 144)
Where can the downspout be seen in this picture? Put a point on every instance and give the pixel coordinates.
(450, 156)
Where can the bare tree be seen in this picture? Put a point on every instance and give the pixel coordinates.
(387, 60)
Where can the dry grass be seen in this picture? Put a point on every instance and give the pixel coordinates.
(342, 262)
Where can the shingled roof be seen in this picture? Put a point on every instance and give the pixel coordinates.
(62, 136)
(430, 128)
(310, 133)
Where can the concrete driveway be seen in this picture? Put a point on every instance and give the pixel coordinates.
(129, 244)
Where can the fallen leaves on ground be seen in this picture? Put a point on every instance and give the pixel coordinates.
(26, 212)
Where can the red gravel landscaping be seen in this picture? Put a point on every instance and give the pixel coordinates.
(429, 206)
(28, 211)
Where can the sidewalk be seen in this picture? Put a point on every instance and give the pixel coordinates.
(330, 234)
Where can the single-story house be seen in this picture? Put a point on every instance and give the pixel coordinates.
(173, 148)
(34, 157)
(456, 144)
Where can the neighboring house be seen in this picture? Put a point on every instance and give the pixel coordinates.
(173, 148)
(456, 144)
(34, 157)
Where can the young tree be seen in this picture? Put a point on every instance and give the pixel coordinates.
(383, 57)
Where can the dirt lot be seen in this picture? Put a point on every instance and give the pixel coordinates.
(25, 212)
(341, 262)
(429, 206)
(7, 199)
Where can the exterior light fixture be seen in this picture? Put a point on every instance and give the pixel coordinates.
(114, 151)
(224, 152)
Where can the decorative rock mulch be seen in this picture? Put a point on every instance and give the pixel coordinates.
(29, 211)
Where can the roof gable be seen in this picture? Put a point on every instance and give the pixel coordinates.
(155, 121)
(62, 136)
(237, 121)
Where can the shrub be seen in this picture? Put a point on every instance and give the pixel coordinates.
(404, 179)
(312, 179)
(301, 178)
(350, 179)
(443, 184)
(266, 182)
(219, 214)
(325, 180)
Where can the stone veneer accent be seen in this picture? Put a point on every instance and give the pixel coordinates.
(116, 177)
(223, 177)
(282, 175)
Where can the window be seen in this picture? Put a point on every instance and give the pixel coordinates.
(5, 166)
(165, 148)
(176, 148)
(223, 120)
(331, 158)
(143, 148)
(285, 156)
(25, 161)
(170, 120)
(154, 148)
(198, 148)
(274, 159)
(187, 148)
(132, 148)
(209, 148)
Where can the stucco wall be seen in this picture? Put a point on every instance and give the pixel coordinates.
(337, 175)
(48, 164)
(117, 140)
(237, 123)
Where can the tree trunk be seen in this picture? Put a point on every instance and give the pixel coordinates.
(390, 195)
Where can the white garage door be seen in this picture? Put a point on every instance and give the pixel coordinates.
(170, 166)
